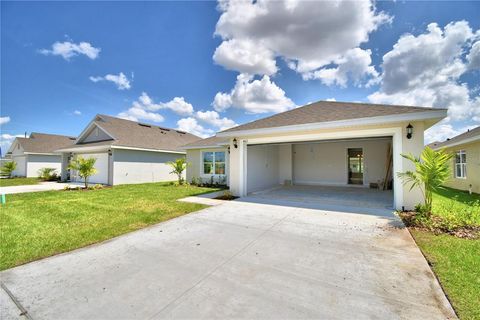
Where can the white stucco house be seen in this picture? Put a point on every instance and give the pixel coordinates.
(36, 152)
(126, 151)
(325, 144)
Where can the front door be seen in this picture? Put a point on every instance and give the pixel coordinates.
(355, 166)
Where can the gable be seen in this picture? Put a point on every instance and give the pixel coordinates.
(16, 148)
(95, 134)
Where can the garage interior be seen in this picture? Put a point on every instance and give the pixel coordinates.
(350, 172)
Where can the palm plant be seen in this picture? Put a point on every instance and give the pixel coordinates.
(47, 174)
(8, 168)
(432, 170)
(85, 167)
(178, 167)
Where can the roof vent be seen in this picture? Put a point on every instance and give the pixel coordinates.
(145, 125)
(181, 132)
(163, 129)
(72, 138)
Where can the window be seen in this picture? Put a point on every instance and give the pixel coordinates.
(461, 164)
(214, 162)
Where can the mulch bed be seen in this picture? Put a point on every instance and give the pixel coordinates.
(408, 217)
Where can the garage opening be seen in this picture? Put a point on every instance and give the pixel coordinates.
(351, 172)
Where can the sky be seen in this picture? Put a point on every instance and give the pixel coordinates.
(203, 67)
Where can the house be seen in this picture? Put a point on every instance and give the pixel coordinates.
(126, 151)
(466, 163)
(36, 152)
(325, 143)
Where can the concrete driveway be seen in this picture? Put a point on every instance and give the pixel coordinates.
(41, 186)
(239, 259)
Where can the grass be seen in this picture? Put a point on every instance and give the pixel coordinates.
(6, 182)
(41, 224)
(456, 262)
(458, 207)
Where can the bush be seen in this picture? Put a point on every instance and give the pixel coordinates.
(48, 174)
(8, 168)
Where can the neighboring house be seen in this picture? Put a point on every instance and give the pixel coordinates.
(323, 143)
(36, 152)
(126, 151)
(466, 163)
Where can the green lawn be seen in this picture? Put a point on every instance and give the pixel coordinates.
(457, 207)
(40, 224)
(4, 182)
(456, 262)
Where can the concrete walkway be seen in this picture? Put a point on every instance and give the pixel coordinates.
(239, 259)
(42, 186)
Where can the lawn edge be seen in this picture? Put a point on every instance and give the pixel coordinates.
(97, 243)
(433, 271)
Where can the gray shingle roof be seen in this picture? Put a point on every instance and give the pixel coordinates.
(133, 134)
(457, 139)
(325, 111)
(208, 142)
(44, 143)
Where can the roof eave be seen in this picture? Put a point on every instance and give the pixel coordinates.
(456, 143)
(433, 115)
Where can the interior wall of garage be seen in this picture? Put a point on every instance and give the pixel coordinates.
(132, 166)
(325, 163)
(262, 167)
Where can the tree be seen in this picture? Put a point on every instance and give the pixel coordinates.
(8, 168)
(432, 170)
(178, 167)
(84, 167)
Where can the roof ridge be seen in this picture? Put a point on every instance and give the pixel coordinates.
(141, 123)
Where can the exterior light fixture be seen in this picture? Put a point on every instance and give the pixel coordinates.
(409, 131)
(235, 143)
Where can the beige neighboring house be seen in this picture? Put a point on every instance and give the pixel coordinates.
(466, 163)
(36, 152)
(126, 151)
(326, 144)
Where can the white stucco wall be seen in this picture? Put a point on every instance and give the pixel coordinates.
(262, 167)
(21, 168)
(102, 165)
(195, 162)
(325, 163)
(36, 162)
(285, 163)
(132, 166)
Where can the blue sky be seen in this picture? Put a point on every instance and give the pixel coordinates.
(170, 62)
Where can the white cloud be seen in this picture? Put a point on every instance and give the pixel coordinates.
(213, 118)
(4, 120)
(77, 112)
(179, 106)
(331, 99)
(137, 114)
(308, 35)
(254, 96)
(473, 57)
(355, 64)
(6, 140)
(120, 80)
(191, 125)
(425, 70)
(146, 109)
(245, 56)
(69, 49)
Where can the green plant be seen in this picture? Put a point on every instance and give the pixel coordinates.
(47, 174)
(84, 167)
(195, 181)
(431, 171)
(8, 168)
(178, 167)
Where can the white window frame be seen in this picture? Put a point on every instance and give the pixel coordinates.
(202, 168)
(461, 165)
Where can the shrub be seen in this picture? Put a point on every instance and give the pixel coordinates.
(178, 167)
(84, 167)
(48, 174)
(8, 168)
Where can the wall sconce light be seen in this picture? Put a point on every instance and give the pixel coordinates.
(235, 143)
(409, 131)
(228, 149)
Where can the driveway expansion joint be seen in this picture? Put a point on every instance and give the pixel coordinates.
(21, 308)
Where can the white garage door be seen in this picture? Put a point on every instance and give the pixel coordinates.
(102, 168)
